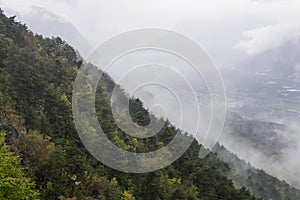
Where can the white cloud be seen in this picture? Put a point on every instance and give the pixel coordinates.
(262, 39)
(285, 27)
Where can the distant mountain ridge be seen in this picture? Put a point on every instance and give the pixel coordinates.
(43, 21)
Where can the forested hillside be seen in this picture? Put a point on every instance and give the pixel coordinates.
(257, 181)
(36, 82)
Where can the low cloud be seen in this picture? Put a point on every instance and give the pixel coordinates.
(269, 37)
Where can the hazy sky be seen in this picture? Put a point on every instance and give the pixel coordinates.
(229, 29)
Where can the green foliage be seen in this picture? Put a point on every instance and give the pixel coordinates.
(37, 76)
(13, 184)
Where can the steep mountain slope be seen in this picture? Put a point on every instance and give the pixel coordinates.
(37, 77)
(257, 181)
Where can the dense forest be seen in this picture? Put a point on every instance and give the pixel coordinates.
(41, 154)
